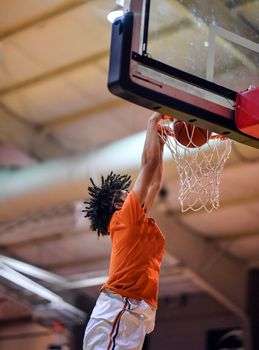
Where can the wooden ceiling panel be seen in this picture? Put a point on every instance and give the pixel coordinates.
(69, 250)
(44, 102)
(245, 248)
(53, 43)
(65, 39)
(107, 125)
(15, 65)
(237, 181)
(16, 12)
(90, 82)
(61, 96)
(89, 132)
(37, 226)
(235, 219)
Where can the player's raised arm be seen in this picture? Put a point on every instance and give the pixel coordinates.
(149, 179)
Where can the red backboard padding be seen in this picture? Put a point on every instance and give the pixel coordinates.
(247, 111)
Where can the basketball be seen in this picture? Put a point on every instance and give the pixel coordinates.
(190, 135)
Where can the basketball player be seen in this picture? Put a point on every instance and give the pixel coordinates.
(126, 307)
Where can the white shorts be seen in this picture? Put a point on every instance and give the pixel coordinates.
(118, 323)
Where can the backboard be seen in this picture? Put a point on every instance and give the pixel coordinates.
(187, 59)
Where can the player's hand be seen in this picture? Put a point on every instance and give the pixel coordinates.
(155, 117)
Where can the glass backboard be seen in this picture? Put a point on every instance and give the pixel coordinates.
(187, 59)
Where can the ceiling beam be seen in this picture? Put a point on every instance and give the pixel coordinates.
(30, 288)
(50, 235)
(40, 226)
(6, 323)
(54, 73)
(55, 11)
(24, 136)
(237, 236)
(53, 235)
(31, 270)
(60, 121)
(220, 274)
(231, 203)
(89, 263)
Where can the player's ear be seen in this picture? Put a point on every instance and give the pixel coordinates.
(117, 205)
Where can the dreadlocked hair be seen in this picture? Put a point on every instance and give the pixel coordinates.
(99, 208)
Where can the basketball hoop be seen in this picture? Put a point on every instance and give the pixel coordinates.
(199, 164)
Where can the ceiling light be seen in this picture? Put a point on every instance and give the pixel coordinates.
(114, 14)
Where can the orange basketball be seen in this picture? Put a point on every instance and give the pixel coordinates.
(190, 135)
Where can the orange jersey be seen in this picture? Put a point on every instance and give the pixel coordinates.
(137, 252)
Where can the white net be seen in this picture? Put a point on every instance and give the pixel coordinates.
(199, 168)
